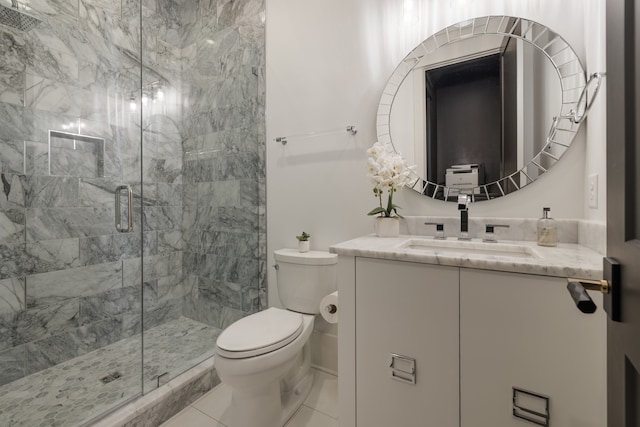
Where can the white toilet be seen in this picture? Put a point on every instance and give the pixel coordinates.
(264, 358)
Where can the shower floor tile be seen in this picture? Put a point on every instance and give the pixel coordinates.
(72, 392)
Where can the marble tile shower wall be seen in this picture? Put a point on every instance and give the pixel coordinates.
(69, 283)
(224, 166)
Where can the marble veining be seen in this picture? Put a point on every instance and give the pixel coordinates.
(565, 260)
(69, 284)
(13, 364)
(170, 241)
(224, 293)
(53, 255)
(102, 249)
(70, 162)
(62, 223)
(50, 191)
(13, 50)
(39, 322)
(113, 303)
(12, 295)
(11, 156)
(11, 85)
(13, 260)
(36, 157)
(162, 217)
(12, 225)
(70, 393)
(46, 61)
(13, 121)
(13, 191)
(46, 94)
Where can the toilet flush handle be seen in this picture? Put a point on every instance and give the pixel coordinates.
(276, 266)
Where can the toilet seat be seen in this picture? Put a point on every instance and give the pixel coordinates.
(259, 333)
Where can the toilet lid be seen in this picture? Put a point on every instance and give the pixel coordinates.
(259, 333)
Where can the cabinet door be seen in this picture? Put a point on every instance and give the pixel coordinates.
(412, 310)
(525, 331)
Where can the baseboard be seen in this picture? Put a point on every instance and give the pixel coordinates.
(324, 352)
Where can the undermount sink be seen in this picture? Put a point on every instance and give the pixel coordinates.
(462, 247)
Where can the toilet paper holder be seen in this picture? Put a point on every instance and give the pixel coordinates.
(331, 308)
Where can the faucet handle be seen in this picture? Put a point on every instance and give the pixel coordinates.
(489, 232)
(439, 229)
(490, 227)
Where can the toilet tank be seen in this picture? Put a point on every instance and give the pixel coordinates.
(304, 278)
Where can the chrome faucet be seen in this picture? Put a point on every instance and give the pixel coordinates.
(463, 207)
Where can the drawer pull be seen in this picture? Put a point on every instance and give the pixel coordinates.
(521, 397)
(402, 368)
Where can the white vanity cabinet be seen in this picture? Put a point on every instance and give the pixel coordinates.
(409, 310)
(474, 335)
(524, 331)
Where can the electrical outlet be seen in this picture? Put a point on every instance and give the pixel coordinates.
(592, 191)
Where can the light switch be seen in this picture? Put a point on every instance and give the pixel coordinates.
(592, 191)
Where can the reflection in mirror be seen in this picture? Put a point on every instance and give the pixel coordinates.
(472, 107)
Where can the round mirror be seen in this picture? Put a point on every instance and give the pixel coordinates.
(483, 107)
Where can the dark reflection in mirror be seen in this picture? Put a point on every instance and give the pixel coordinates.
(464, 123)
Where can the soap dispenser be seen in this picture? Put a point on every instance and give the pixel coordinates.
(547, 229)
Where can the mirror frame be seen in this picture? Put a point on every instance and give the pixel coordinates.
(572, 82)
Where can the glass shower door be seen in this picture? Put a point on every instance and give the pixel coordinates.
(174, 339)
(203, 138)
(71, 261)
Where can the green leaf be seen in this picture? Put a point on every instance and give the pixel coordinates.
(303, 237)
(376, 211)
(396, 211)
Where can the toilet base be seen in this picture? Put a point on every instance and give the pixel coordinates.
(269, 406)
(294, 399)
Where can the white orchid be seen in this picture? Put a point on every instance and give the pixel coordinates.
(388, 171)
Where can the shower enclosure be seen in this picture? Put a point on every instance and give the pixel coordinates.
(132, 201)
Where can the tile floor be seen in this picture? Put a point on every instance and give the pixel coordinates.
(320, 409)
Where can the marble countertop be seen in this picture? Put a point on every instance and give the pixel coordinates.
(565, 260)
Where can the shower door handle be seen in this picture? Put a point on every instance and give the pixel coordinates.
(119, 226)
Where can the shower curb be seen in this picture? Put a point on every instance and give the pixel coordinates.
(158, 406)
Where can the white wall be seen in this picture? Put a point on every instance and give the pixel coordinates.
(327, 63)
(596, 151)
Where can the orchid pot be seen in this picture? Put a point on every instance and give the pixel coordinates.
(387, 226)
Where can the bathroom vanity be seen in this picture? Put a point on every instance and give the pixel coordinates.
(448, 333)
